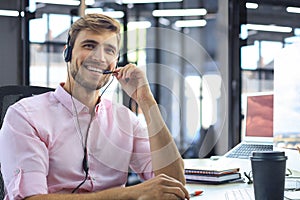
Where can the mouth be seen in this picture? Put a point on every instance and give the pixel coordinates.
(94, 69)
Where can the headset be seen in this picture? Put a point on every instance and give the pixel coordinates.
(68, 50)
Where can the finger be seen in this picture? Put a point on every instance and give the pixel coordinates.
(122, 72)
(119, 75)
(169, 196)
(129, 70)
(180, 190)
(170, 181)
(176, 191)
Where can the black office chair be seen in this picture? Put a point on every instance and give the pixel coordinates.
(8, 96)
(1, 187)
(12, 93)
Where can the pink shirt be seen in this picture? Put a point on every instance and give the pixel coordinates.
(42, 146)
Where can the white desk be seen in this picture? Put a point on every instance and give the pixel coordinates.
(217, 192)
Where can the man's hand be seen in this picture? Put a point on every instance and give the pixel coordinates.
(134, 82)
(160, 187)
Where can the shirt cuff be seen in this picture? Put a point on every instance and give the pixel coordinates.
(26, 184)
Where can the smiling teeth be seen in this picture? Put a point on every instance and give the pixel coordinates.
(94, 69)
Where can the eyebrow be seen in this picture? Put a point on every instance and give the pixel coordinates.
(89, 41)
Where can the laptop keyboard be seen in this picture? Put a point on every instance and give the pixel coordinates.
(240, 194)
(244, 151)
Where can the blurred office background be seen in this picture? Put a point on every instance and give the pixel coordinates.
(200, 63)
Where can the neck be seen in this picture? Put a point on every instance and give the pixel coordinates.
(88, 97)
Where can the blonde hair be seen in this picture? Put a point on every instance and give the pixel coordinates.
(94, 22)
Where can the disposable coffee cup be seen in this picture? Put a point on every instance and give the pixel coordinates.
(268, 169)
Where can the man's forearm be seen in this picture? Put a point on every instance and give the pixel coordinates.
(166, 158)
(159, 187)
(114, 193)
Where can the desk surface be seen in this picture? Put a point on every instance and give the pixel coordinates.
(218, 192)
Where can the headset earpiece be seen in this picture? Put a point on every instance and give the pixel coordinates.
(68, 51)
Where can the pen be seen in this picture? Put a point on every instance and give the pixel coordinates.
(196, 193)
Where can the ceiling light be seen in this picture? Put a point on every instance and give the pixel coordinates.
(145, 1)
(271, 28)
(297, 31)
(190, 23)
(291, 40)
(65, 2)
(138, 25)
(113, 14)
(293, 9)
(89, 2)
(251, 5)
(9, 13)
(179, 12)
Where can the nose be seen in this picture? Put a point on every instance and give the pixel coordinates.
(99, 54)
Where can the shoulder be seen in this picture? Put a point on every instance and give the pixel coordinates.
(35, 102)
(26, 111)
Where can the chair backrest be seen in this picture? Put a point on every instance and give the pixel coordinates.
(1, 187)
(8, 96)
(12, 93)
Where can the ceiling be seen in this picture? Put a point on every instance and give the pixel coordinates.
(268, 12)
(144, 10)
(272, 12)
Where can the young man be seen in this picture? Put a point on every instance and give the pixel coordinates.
(72, 144)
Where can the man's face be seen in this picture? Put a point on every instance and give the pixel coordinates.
(92, 53)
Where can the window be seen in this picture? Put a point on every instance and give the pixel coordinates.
(47, 39)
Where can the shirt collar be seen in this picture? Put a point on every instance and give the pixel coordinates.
(66, 100)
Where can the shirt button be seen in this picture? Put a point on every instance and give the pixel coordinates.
(17, 171)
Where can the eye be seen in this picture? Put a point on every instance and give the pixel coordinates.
(110, 51)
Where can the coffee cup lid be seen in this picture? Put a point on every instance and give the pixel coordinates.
(272, 155)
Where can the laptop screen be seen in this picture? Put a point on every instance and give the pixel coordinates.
(259, 115)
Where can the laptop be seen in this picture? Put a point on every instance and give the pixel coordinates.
(258, 127)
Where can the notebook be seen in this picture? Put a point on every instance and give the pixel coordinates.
(258, 131)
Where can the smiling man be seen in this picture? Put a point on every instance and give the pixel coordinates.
(73, 144)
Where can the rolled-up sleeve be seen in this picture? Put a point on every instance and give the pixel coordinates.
(23, 155)
(19, 190)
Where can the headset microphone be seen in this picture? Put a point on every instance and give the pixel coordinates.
(108, 72)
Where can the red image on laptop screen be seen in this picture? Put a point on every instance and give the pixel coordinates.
(259, 116)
